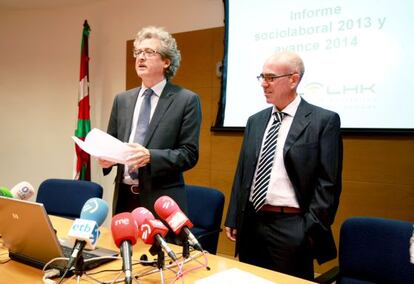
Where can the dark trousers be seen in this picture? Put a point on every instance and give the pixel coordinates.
(276, 241)
(127, 201)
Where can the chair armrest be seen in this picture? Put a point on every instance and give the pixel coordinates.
(209, 233)
(329, 276)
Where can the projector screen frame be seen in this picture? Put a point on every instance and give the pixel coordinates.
(219, 122)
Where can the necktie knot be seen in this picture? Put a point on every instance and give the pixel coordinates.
(279, 116)
(148, 93)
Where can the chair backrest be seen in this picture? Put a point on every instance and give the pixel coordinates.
(375, 250)
(66, 197)
(205, 210)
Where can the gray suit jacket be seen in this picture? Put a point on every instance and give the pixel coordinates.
(313, 160)
(172, 139)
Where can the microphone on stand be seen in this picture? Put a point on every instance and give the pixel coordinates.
(5, 192)
(179, 223)
(125, 232)
(23, 190)
(152, 231)
(85, 230)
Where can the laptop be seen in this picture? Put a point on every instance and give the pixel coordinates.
(28, 234)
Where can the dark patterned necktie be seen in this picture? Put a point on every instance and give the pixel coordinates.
(266, 158)
(142, 123)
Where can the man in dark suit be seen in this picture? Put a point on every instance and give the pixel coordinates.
(281, 209)
(161, 123)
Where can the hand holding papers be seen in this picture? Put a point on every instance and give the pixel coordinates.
(102, 145)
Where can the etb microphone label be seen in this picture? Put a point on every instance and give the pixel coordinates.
(85, 230)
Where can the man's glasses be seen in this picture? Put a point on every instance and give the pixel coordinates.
(271, 77)
(147, 52)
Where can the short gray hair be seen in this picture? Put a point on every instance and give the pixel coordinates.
(293, 61)
(168, 49)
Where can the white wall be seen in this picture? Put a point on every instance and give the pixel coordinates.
(39, 75)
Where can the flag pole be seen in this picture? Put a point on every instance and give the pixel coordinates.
(83, 160)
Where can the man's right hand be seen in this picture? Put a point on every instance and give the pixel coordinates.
(105, 164)
(231, 233)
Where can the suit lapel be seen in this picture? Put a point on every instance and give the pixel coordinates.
(299, 123)
(260, 129)
(165, 100)
(129, 113)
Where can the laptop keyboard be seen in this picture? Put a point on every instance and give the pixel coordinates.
(67, 251)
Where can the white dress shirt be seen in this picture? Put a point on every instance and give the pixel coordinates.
(157, 89)
(280, 191)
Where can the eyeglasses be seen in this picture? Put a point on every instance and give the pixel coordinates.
(271, 77)
(148, 52)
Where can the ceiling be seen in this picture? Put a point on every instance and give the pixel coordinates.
(15, 5)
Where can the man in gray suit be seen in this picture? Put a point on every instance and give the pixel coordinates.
(284, 200)
(161, 123)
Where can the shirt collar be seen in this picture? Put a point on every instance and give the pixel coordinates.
(157, 88)
(291, 108)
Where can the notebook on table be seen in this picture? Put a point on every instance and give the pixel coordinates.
(28, 234)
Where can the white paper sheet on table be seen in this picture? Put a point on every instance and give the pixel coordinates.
(102, 145)
(233, 276)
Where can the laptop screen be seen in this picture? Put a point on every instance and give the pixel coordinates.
(26, 230)
(30, 237)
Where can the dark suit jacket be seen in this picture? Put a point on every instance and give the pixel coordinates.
(172, 139)
(313, 160)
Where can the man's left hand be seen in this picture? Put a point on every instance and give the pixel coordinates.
(140, 156)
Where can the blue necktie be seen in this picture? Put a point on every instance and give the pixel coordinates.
(266, 158)
(144, 117)
(142, 123)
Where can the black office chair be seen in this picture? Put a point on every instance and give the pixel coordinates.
(373, 250)
(66, 197)
(205, 210)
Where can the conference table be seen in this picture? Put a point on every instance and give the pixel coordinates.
(192, 270)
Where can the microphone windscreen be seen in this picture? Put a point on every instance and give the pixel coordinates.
(23, 190)
(169, 211)
(124, 228)
(95, 209)
(165, 206)
(140, 214)
(5, 192)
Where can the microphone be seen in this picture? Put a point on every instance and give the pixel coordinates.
(5, 192)
(152, 231)
(85, 230)
(169, 211)
(125, 232)
(23, 190)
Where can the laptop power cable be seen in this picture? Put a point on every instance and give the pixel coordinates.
(50, 273)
